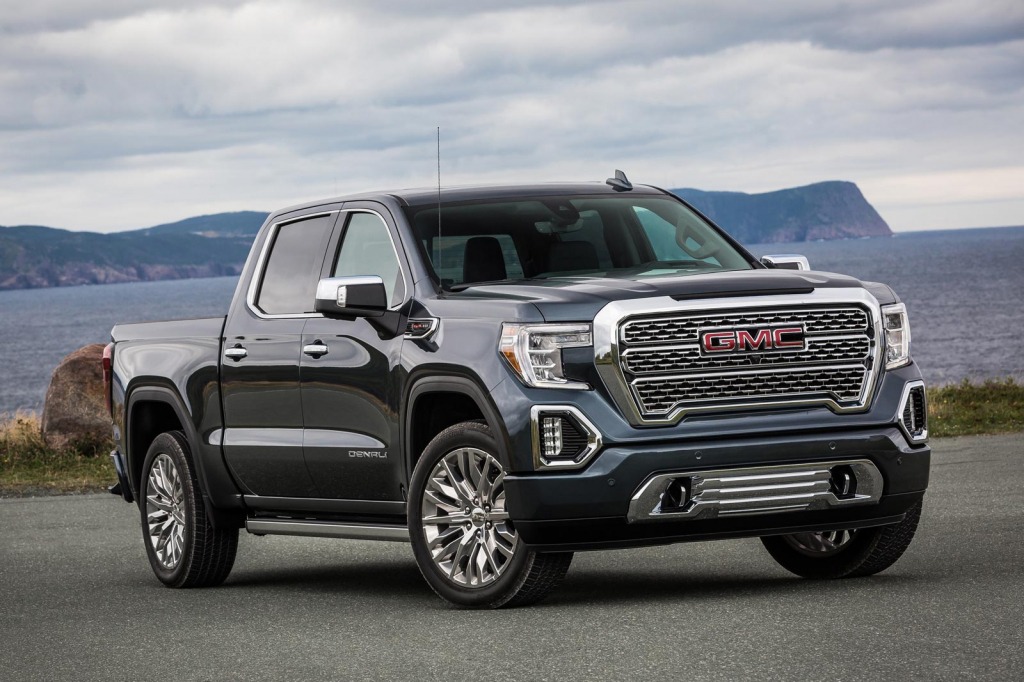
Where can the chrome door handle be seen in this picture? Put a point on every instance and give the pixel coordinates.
(236, 353)
(315, 349)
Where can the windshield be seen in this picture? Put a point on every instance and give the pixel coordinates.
(604, 236)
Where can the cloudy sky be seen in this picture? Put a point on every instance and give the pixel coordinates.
(119, 114)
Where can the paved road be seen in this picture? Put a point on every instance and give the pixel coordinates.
(78, 602)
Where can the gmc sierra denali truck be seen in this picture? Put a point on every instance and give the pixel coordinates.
(502, 376)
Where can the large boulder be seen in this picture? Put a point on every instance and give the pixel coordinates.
(75, 412)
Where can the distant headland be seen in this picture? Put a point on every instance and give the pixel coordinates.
(33, 256)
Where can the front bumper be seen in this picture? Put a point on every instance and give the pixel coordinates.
(589, 509)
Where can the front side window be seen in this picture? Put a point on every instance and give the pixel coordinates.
(288, 285)
(366, 249)
(573, 236)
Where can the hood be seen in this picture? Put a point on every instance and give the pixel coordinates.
(580, 298)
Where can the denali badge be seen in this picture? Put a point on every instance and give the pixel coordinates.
(751, 340)
(371, 454)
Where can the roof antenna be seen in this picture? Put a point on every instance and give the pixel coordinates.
(439, 249)
(620, 183)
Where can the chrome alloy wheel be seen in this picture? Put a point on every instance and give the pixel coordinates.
(465, 524)
(822, 543)
(165, 511)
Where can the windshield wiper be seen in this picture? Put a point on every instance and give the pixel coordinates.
(462, 286)
(681, 263)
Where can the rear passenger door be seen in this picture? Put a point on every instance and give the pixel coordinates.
(262, 438)
(349, 375)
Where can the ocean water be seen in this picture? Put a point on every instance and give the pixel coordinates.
(963, 290)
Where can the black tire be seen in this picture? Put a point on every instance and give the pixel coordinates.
(864, 552)
(204, 555)
(524, 578)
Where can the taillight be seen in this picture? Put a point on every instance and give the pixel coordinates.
(108, 372)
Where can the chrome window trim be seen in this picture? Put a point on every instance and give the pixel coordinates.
(254, 283)
(607, 352)
(594, 439)
(907, 388)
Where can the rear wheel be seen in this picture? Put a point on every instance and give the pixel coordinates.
(464, 542)
(844, 553)
(183, 547)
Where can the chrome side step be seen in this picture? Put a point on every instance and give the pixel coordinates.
(327, 529)
(756, 490)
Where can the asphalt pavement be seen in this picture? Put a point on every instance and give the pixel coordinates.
(78, 602)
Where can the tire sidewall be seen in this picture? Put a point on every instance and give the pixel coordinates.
(174, 446)
(466, 434)
(832, 565)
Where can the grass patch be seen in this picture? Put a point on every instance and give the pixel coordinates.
(28, 466)
(965, 409)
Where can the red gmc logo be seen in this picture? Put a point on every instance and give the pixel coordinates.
(752, 340)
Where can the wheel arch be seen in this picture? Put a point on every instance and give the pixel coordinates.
(455, 399)
(159, 409)
(152, 410)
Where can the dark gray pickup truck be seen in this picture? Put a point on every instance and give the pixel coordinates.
(503, 376)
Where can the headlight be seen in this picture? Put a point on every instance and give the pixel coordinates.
(897, 335)
(534, 351)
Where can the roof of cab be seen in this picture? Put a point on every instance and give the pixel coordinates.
(428, 195)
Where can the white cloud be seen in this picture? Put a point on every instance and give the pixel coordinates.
(114, 117)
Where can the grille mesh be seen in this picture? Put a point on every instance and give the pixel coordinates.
(684, 328)
(661, 395)
(660, 359)
(688, 358)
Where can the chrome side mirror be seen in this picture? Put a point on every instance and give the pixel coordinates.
(362, 296)
(786, 261)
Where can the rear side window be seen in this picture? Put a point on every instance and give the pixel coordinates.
(366, 249)
(289, 278)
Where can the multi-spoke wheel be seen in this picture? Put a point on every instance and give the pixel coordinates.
(183, 547)
(844, 553)
(165, 511)
(467, 529)
(465, 543)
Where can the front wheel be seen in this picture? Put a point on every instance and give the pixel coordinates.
(844, 553)
(183, 547)
(464, 542)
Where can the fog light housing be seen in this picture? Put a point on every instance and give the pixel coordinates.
(913, 414)
(562, 437)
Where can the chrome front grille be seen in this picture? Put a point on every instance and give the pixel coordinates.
(680, 328)
(658, 359)
(661, 395)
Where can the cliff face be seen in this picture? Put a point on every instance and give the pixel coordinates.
(206, 246)
(825, 210)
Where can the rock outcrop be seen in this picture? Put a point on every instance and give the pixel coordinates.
(75, 412)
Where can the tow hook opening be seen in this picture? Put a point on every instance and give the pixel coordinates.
(843, 482)
(677, 495)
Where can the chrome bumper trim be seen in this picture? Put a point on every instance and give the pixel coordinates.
(756, 490)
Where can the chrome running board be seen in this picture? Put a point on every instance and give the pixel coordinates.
(327, 529)
(756, 490)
